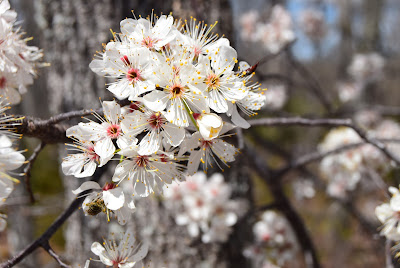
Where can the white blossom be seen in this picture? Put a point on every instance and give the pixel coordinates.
(151, 33)
(106, 199)
(127, 254)
(389, 215)
(313, 24)
(149, 173)
(365, 68)
(103, 134)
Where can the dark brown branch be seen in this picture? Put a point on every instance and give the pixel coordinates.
(28, 167)
(43, 240)
(285, 207)
(43, 130)
(49, 130)
(69, 115)
(301, 163)
(375, 142)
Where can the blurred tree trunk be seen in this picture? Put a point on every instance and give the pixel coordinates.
(346, 15)
(70, 32)
(372, 19)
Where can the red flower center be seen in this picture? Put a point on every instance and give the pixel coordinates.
(3, 82)
(109, 186)
(212, 82)
(177, 91)
(206, 144)
(164, 158)
(92, 154)
(156, 120)
(148, 42)
(134, 106)
(113, 131)
(142, 160)
(133, 75)
(126, 61)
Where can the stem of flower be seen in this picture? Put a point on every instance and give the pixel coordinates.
(190, 113)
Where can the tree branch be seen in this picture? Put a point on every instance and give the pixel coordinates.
(286, 208)
(43, 240)
(299, 121)
(311, 80)
(28, 167)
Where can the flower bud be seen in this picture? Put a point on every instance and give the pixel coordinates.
(209, 125)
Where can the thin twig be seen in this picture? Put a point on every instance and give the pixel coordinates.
(315, 156)
(46, 246)
(315, 87)
(28, 167)
(299, 121)
(299, 164)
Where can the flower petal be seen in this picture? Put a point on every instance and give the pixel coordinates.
(87, 185)
(114, 199)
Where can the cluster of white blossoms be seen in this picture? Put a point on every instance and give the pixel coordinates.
(181, 80)
(275, 241)
(313, 24)
(10, 158)
(17, 59)
(204, 206)
(363, 70)
(344, 170)
(274, 34)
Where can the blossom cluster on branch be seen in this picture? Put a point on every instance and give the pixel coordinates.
(186, 94)
(346, 169)
(186, 91)
(18, 60)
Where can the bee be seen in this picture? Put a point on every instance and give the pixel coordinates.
(96, 207)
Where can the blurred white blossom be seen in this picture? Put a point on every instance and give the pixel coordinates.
(313, 23)
(273, 35)
(274, 241)
(276, 96)
(204, 206)
(349, 91)
(366, 68)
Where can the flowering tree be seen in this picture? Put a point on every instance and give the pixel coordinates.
(146, 167)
